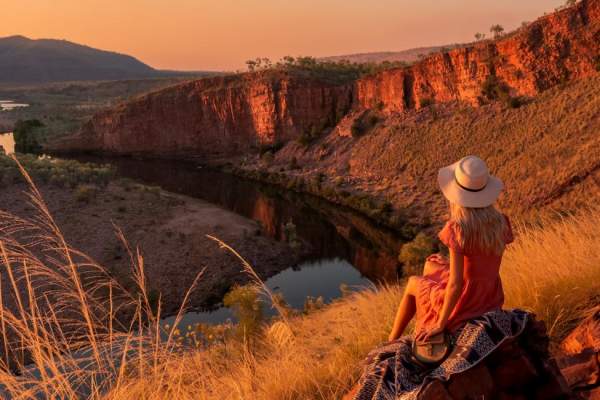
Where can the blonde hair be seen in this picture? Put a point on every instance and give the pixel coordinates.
(480, 228)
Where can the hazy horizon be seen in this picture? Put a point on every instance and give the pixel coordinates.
(197, 35)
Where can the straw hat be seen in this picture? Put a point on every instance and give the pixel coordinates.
(468, 183)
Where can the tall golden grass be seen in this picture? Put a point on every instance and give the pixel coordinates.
(73, 332)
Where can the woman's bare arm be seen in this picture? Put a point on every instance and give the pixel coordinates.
(453, 289)
(406, 311)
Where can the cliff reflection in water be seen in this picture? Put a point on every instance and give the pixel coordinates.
(332, 231)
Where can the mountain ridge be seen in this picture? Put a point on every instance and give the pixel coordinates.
(24, 60)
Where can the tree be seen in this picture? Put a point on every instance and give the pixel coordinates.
(497, 30)
(251, 64)
(479, 36)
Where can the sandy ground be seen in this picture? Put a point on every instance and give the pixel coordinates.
(170, 231)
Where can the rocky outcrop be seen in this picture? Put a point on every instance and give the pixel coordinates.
(216, 117)
(519, 369)
(220, 117)
(580, 358)
(551, 50)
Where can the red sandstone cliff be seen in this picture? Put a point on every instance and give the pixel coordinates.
(228, 115)
(218, 116)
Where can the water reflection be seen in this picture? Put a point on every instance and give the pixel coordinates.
(8, 105)
(314, 279)
(333, 232)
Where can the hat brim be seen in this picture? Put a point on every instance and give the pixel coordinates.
(457, 195)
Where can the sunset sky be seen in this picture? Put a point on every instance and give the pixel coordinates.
(222, 34)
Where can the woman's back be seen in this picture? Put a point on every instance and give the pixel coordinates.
(482, 288)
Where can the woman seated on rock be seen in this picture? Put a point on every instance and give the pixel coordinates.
(457, 303)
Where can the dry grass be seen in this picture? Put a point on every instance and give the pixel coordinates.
(554, 269)
(60, 309)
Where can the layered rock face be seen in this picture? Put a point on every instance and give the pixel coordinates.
(220, 117)
(215, 117)
(551, 50)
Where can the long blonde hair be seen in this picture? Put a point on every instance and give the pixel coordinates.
(483, 229)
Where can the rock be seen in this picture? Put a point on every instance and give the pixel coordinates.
(477, 384)
(520, 368)
(579, 360)
(515, 372)
(585, 336)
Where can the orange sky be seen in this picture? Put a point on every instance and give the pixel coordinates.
(222, 34)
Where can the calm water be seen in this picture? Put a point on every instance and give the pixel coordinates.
(8, 105)
(346, 248)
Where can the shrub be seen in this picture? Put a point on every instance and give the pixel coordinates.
(273, 148)
(305, 139)
(247, 307)
(426, 102)
(494, 89)
(363, 123)
(267, 158)
(25, 136)
(85, 193)
(597, 63)
(515, 102)
(414, 253)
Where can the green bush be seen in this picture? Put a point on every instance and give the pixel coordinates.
(25, 136)
(414, 253)
(337, 72)
(63, 173)
(247, 307)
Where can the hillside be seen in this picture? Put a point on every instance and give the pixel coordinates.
(24, 60)
(407, 56)
(529, 100)
(550, 270)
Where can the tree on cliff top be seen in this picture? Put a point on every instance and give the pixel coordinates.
(497, 30)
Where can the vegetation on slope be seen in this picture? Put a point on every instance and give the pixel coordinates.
(63, 107)
(396, 160)
(89, 337)
(338, 71)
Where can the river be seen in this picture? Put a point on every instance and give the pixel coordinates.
(347, 249)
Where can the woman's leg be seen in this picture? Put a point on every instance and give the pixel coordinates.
(406, 309)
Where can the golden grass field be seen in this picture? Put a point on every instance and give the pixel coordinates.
(61, 317)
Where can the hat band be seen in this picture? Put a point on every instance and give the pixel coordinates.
(468, 189)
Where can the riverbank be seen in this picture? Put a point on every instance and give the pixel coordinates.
(170, 231)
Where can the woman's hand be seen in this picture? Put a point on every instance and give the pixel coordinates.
(423, 336)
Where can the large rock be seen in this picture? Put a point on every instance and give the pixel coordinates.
(580, 358)
(520, 368)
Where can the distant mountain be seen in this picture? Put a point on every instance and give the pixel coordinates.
(408, 56)
(24, 60)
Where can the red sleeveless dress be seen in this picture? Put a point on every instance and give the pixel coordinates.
(482, 288)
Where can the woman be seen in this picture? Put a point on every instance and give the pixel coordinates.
(461, 296)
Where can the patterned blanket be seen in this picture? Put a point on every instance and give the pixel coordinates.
(389, 373)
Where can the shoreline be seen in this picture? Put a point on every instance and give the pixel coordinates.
(170, 231)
